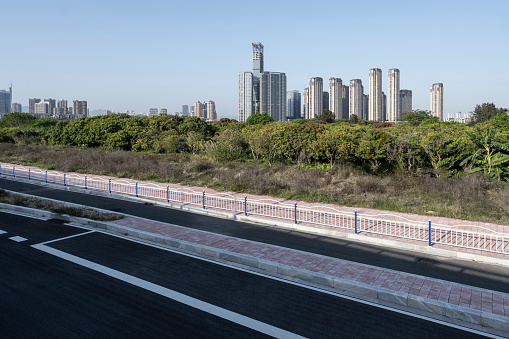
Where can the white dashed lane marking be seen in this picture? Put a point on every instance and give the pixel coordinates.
(2, 232)
(18, 239)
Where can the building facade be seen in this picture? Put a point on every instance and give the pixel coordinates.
(345, 97)
(211, 110)
(185, 110)
(356, 92)
(6, 100)
(293, 102)
(437, 100)
(394, 106)
(315, 97)
(200, 110)
(246, 103)
(375, 95)
(80, 108)
(405, 100)
(17, 107)
(31, 104)
(305, 103)
(273, 95)
(257, 70)
(336, 97)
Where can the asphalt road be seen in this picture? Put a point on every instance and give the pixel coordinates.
(469, 273)
(74, 294)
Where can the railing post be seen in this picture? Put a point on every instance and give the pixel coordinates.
(0, 169)
(109, 185)
(295, 212)
(429, 232)
(203, 199)
(14, 171)
(245, 206)
(46, 176)
(167, 194)
(355, 222)
(85, 182)
(64, 181)
(136, 189)
(29, 174)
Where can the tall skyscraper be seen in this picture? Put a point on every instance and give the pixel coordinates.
(273, 95)
(246, 103)
(315, 97)
(394, 106)
(211, 110)
(293, 102)
(384, 107)
(325, 100)
(61, 108)
(6, 100)
(305, 103)
(41, 109)
(16, 107)
(200, 110)
(51, 105)
(365, 107)
(437, 100)
(257, 69)
(185, 110)
(191, 111)
(405, 99)
(31, 105)
(345, 97)
(375, 95)
(356, 91)
(80, 108)
(336, 97)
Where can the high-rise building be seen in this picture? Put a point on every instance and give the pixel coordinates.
(80, 108)
(293, 102)
(211, 110)
(61, 108)
(384, 107)
(345, 97)
(17, 107)
(246, 100)
(200, 110)
(6, 100)
(185, 110)
(153, 111)
(315, 97)
(405, 100)
(191, 111)
(325, 100)
(273, 95)
(305, 103)
(394, 106)
(31, 105)
(375, 95)
(41, 108)
(163, 111)
(356, 92)
(51, 105)
(365, 107)
(336, 97)
(437, 100)
(257, 70)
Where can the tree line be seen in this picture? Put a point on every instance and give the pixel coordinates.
(420, 145)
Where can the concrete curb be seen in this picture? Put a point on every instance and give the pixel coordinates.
(284, 225)
(357, 289)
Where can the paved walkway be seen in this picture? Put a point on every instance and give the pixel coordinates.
(475, 305)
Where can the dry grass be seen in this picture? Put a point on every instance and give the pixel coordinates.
(470, 198)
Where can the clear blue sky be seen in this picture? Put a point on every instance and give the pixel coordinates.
(121, 55)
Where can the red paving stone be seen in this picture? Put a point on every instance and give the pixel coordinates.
(456, 294)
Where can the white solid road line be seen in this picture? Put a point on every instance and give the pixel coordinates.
(174, 295)
(18, 239)
(71, 236)
(26, 215)
(2, 232)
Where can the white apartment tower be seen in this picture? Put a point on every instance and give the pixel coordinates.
(356, 92)
(211, 110)
(437, 100)
(246, 106)
(394, 106)
(315, 97)
(405, 100)
(375, 95)
(336, 97)
(305, 103)
(273, 95)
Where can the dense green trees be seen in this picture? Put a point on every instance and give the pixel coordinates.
(418, 146)
(486, 111)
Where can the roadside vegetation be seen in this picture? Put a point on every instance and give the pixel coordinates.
(56, 207)
(418, 166)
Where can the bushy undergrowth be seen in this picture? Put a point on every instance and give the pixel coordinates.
(472, 197)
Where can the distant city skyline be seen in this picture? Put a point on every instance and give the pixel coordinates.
(116, 68)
